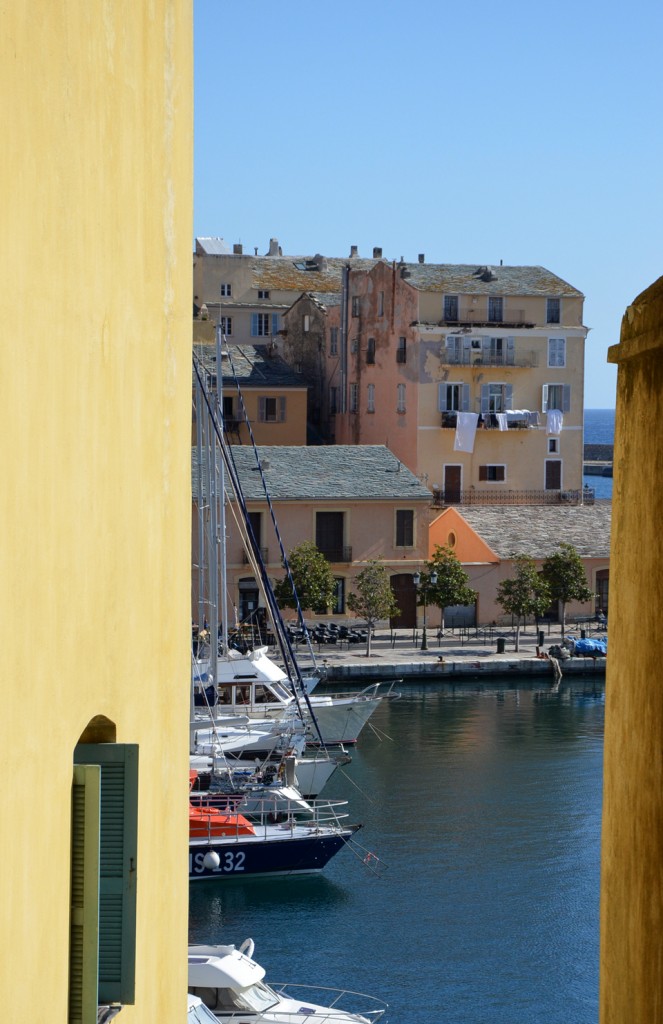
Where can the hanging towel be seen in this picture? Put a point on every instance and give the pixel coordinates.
(502, 420)
(554, 421)
(466, 428)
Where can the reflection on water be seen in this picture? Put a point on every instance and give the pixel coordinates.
(483, 803)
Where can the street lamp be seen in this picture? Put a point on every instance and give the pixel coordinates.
(431, 581)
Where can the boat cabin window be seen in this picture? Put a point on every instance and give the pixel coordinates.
(280, 691)
(263, 695)
(242, 694)
(256, 998)
(225, 693)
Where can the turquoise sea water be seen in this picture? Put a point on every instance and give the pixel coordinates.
(483, 804)
(599, 429)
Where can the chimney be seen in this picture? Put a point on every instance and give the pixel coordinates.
(353, 251)
(238, 249)
(422, 257)
(377, 253)
(273, 247)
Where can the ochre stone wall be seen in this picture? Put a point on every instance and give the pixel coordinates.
(631, 988)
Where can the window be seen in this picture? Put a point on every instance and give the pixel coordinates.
(400, 402)
(458, 348)
(226, 290)
(271, 410)
(553, 445)
(453, 397)
(450, 307)
(556, 351)
(333, 341)
(263, 325)
(329, 536)
(496, 398)
(333, 400)
(354, 398)
(492, 474)
(495, 310)
(370, 398)
(404, 528)
(354, 346)
(306, 323)
(255, 523)
(226, 325)
(355, 305)
(381, 304)
(262, 293)
(401, 350)
(553, 311)
(104, 840)
(370, 351)
(556, 396)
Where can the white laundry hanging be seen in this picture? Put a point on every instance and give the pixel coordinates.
(466, 428)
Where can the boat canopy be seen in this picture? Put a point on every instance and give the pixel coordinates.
(232, 970)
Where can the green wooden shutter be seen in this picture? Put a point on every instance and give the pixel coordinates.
(84, 921)
(117, 866)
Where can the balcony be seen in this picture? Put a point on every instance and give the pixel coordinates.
(472, 316)
(523, 420)
(337, 554)
(441, 498)
(476, 357)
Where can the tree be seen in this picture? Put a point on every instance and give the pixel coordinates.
(374, 599)
(451, 586)
(525, 593)
(565, 575)
(314, 583)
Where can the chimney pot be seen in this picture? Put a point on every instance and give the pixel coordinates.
(353, 251)
(422, 257)
(238, 249)
(377, 253)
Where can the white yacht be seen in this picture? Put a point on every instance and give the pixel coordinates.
(231, 986)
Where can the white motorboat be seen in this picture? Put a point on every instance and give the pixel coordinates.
(340, 717)
(197, 1012)
(231, 985)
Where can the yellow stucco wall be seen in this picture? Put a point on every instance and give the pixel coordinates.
(95, 417)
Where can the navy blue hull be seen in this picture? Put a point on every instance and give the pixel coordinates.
(240, 858)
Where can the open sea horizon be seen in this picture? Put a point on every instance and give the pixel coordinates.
(599, 429)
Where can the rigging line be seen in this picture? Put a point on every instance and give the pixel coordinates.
(284, 557)
(357, 787)
(284, 639)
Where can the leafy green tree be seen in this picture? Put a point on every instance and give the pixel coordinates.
(451, 586)
(526, 593)
(374, 599)
(312, 576)
(566, 577)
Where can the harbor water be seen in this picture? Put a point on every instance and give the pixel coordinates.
(472, 892)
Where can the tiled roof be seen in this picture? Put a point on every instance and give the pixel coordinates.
(537, 530)
(251, 366)
(286, 273)
(212, 247)
(330, 473)
(464, 279)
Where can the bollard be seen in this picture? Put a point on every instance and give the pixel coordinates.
(501, 644)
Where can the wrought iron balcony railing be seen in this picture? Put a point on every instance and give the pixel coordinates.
(337, 554)
(442, 497)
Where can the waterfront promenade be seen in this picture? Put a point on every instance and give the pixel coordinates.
(467, 653)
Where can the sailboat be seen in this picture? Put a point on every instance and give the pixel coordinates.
(250, 683)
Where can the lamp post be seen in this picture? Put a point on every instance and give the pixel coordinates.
(431, 581)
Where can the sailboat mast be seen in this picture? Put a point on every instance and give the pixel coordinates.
(222, 499)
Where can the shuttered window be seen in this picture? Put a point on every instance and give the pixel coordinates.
(556, 396)
(271, 410)
(84, 917)
(404, 528)
(117, 828)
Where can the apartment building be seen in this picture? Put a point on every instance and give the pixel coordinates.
(415, 347)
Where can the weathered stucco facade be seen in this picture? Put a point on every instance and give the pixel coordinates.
(631, 987)
(95, 499)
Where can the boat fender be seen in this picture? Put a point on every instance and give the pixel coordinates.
(247, 947)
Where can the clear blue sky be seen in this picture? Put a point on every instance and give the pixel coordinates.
(472, 132)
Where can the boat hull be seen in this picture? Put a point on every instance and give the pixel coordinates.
(285, 854)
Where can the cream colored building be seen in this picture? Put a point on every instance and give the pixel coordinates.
(355, 503)
(95, 507)
(414, 346)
